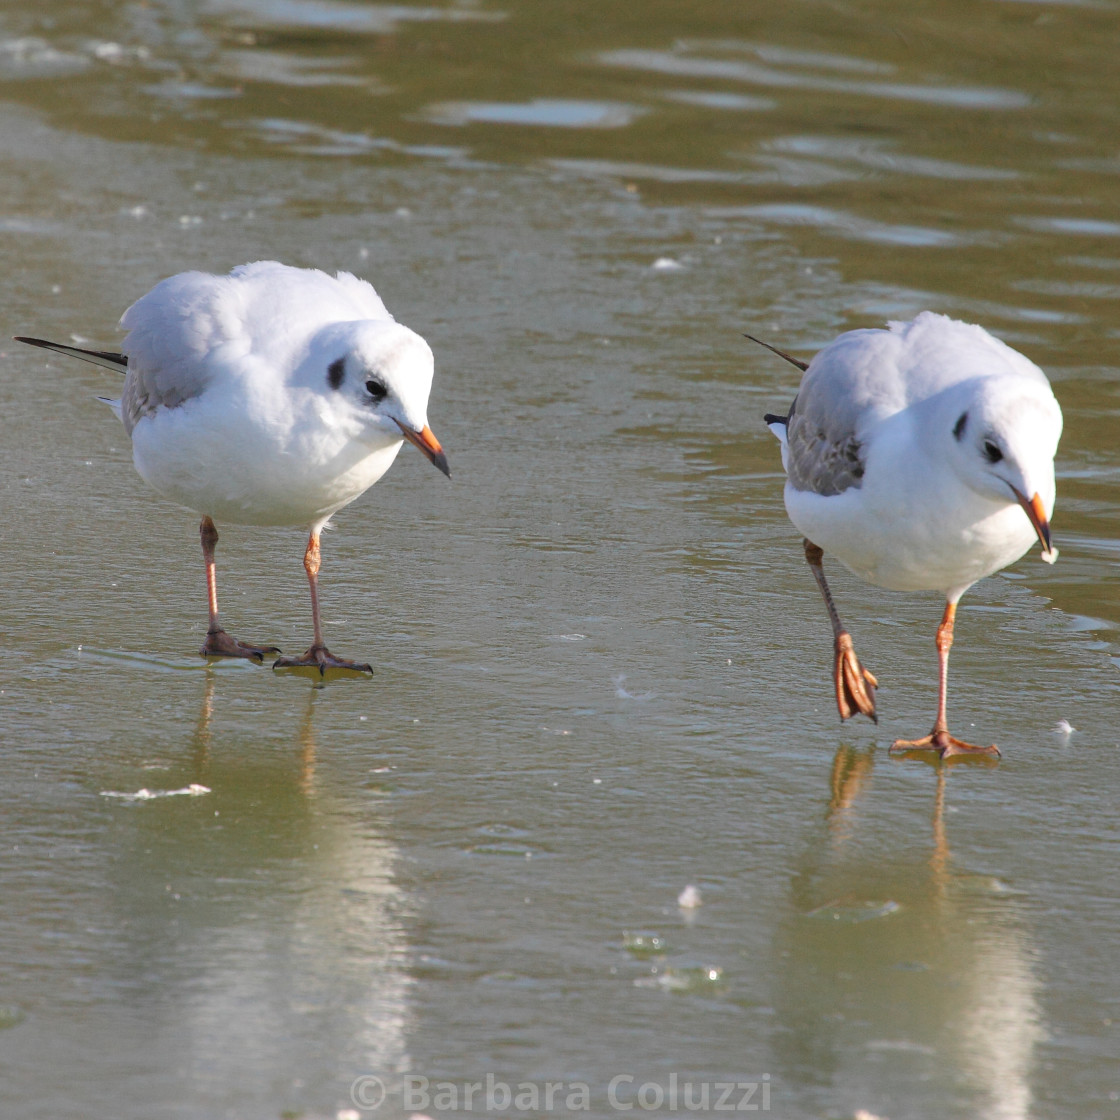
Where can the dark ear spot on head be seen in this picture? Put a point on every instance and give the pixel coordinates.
(958, 428)
(335, 372)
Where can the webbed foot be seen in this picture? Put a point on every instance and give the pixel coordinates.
(855, 685)
(320, 659)
(220, 644)
(945, 744)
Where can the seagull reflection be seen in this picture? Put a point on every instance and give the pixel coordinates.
(851, 772)
(902, 978)
(203, 734)
(261, 925)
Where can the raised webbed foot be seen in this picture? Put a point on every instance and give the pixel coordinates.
(855, 685)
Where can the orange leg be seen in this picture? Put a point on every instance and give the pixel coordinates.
(855, 685)
(317, 656)
(939, 738)
(218, 643)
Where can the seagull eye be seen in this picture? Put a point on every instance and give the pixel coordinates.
(376, 390)
(992, 452)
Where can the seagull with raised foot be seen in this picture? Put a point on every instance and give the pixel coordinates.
(921, 457)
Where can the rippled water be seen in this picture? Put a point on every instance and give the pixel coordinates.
(601, 666)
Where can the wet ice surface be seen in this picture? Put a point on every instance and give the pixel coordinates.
(601, 665)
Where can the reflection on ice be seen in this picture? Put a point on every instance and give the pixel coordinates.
(881, 156)
(848, 225)
(1078, 227)
(311, 139)
(286, 69)
(655, 172)
(886, 996)
(360, 19)
(683, 62)
(548, 112)
(741, 102)
(31, 57)
(262, 929)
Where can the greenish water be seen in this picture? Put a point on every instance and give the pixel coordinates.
(601, 663)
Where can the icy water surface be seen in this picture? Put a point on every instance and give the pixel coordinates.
(601, 664)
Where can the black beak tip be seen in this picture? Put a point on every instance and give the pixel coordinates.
(440, 461)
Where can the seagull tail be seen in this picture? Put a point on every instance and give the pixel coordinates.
(114, 405)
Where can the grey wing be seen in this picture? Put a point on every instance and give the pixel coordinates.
(145, 390)
(172, 332)
(823, 453)
(850, 387)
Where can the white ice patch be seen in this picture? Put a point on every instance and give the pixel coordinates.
(31, 57)
(689, 898)
(193, 790)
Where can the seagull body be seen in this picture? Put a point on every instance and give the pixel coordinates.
(271, 396)
(921, 457)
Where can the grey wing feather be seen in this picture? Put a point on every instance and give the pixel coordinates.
(172, 330)
(143, 394)
(824, 454)
(850, 387)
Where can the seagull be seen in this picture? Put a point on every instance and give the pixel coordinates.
(922, 458)
(271, 396)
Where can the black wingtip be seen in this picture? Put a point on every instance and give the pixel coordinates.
(108, 358)
(781, 353)
(770, 418)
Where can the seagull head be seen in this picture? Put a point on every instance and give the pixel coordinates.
(380, 372)
(1004, 433)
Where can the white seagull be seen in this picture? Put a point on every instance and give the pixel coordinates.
(271, 396)
(922, 457)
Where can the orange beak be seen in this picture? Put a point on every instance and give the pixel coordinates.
(1033, 509)
(425, 439)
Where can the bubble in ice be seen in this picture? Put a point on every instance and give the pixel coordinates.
(643, 943)
(855, 910)
(624, 694)
(683, 978)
